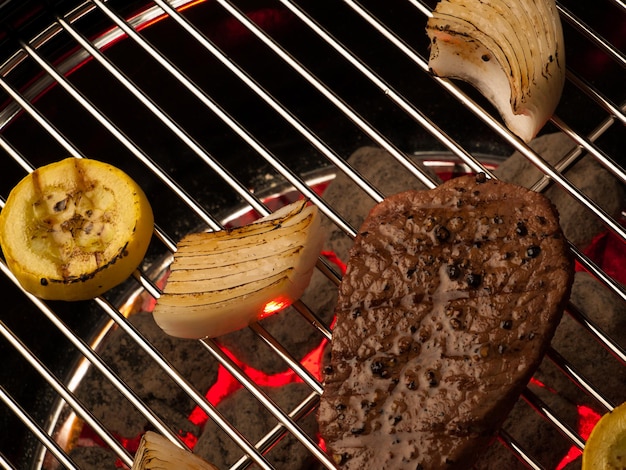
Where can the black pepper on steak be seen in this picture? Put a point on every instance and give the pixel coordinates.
(452, 323)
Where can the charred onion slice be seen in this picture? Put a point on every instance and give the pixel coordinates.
(73, 229)
(222, 281)
(157, 453)
(510, 50)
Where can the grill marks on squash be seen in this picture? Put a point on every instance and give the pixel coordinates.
(444, 312)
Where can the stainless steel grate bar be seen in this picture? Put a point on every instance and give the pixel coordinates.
(66, 394)
(305, 407)
(567, 368)
(293, 363)
(510, 443)
(545, 411)
(383, 86)
(200, 400)
(96, 361)
(278, 413)
(34, 427)
(169, 122)
(312, 80)
(115, 131)
(605, 45)
(212, 105)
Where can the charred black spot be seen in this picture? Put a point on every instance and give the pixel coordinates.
(481, 178)
(378, 368)
(358, 430)
(431, 378)
(533, 251)
(473, 279)
(506, 324)
(521, 229)
(442, 233)
(453, 271)
(43, 281)
(367, 405)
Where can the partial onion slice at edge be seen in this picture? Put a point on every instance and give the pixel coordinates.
(222, 281)
(155, 452)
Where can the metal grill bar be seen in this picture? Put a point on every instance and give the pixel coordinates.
(64, 392)
(269, 404)
(578, 379)
(509, 442)
(615, 53)
(21, 101)
(34, 427)
(545, 411)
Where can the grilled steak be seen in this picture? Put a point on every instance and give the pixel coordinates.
(450, 299)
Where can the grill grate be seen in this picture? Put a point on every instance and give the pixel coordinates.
(207, 103)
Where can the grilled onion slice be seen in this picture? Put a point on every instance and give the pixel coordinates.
(222, 281)
(510, 50)
(157, 453)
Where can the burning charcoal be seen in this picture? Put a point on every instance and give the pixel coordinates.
(587, 174)
(145, 377)
(289, 328)
(254, 421)
(93, 457)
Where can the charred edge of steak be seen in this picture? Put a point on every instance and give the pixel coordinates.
(449, 302)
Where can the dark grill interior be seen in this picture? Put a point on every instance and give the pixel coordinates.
(214, 108)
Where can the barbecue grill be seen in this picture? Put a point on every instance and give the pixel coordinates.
(222, 111)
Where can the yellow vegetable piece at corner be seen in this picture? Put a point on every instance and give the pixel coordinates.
(222, 281)
(74, 229)
(606, 447)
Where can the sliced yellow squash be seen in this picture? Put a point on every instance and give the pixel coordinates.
(606, 447)
(74, 229)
